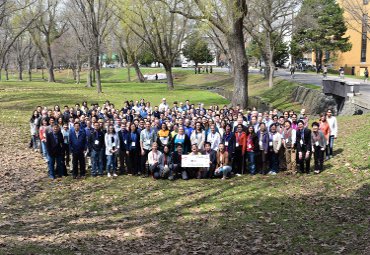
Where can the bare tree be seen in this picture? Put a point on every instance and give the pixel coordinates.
(46, 29)
(130, 47)
(358, 14)
(95, 22)
(162, 31)
(11, 27)
(22, 49)
(228, 17)
(268, 22)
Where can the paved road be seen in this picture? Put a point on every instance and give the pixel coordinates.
(310, 78)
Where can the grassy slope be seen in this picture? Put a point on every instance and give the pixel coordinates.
(261, 214)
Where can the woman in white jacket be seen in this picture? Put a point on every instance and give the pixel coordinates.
(332, 121)
(111, 150)
(274, 147)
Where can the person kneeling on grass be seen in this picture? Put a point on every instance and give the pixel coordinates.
(223, 167)
(153, 160)
(165, 164)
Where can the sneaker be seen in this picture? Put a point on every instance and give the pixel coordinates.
(115, 175)
(108, 175)
(272, 173)
(171, 178)
(316, 171)
(238, 175)
(223, 178)
(184, 175)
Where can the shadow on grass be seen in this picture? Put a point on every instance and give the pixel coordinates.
(233, 217)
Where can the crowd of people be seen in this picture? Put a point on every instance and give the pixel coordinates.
(139, 139)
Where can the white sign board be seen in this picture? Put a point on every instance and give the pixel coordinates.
(195, 161)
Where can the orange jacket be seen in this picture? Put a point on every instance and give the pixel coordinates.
(242, 140)
(324, 127)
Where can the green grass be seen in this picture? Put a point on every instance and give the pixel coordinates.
(315, 214)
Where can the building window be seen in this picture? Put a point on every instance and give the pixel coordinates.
(364, 38)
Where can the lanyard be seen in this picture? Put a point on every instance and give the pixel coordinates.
(148, 134)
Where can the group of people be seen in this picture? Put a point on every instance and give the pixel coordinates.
(139, 139)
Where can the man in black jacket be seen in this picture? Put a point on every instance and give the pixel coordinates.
(54, 145)
(303, 141)
(123, 147)
(212, 159)
(96, 148)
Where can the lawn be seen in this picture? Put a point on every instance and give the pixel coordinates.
(310, 214)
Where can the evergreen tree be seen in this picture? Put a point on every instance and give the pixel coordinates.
(196, 49)
(320, 27)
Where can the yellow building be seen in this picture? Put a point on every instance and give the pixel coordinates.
(355, 60)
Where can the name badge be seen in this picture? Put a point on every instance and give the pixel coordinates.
(287, 140)
(249, 146)
(226, 143)
(96, 142)
(236, 144)
(260, 143)
(317, 143)
(270, 143)
(301, 142)
(164, 140)
(125, 141)
(113, 144)
(133, 144)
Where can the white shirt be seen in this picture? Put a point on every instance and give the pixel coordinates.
(153, 157)
(163, 107)
(214, 139)
(332, 121)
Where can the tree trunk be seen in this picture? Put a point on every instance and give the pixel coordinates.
(168, 69)
(128, 73)
(74, 72)
(20, 73)
(51, 73)
(78, 74)
(271, 70)
(89, 72)
(78, 69)
(139, 74)
(6, 74)
(29, 70)
(42, 73)
(1, 69)
(50, 65)
(97, 72)
(240, 65)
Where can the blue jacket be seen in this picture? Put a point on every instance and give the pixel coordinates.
(130, 141)
(77, 145)
(265, 140)
(123, 136)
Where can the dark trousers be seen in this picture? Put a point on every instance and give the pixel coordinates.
(261, 161)
(330, 146)
(65, 158)
(51, 165)
(154, 171)
(144, 159)
(133, 160)
(274, 161)
(319, 158)
(122, 161)
(282, 159)
(78, 159)
(304, 163)
(238, 162)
